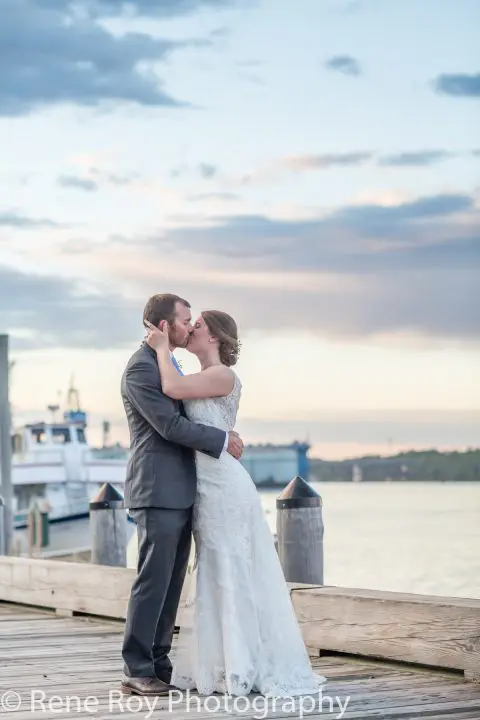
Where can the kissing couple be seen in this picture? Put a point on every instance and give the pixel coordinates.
(184, 477)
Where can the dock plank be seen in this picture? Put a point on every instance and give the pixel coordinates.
(80, 657)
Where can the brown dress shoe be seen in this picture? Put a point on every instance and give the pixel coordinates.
(144, 686)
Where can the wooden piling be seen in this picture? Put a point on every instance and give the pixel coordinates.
(108, 527)
(300, 533)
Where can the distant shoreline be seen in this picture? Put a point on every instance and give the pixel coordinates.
(414, 466)
(397, 480)
(329, 481)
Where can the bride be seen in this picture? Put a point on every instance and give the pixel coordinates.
(244, 636)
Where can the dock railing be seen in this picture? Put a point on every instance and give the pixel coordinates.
(434, 631)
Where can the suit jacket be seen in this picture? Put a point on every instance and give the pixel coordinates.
(161, 470)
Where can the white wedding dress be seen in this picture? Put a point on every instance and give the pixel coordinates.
(238, 633)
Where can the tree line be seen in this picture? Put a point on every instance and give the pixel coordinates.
(411, 466)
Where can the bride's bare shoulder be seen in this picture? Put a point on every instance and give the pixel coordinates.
(224, 374)
(237, 383)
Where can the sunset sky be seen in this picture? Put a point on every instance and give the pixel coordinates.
(309, 166)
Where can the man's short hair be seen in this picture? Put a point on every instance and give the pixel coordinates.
(162, 307)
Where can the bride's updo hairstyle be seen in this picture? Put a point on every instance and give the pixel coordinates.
(224, 328)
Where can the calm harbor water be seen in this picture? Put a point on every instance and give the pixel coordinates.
(408, 537)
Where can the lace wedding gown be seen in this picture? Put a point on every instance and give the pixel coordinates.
(239, 633)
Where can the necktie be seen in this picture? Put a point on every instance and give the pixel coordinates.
(177, 366)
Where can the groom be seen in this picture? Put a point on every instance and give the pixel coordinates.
(160, 491)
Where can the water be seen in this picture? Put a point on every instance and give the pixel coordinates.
(407, 537)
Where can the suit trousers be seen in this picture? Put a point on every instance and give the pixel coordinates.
(164, 542)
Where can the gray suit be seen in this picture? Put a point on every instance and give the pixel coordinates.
(160, 490)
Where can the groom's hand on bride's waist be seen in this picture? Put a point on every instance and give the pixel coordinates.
(235, 445)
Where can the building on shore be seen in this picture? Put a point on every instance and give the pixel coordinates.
(272, 465)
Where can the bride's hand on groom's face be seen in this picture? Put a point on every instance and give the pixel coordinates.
(157, 338)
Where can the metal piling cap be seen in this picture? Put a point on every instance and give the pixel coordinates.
(107, 498)
(298, 494)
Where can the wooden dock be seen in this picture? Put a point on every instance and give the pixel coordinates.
(385, 655)
(52, 666)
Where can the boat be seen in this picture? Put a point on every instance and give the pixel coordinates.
(53, 463)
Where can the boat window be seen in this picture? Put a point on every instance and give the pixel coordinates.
(61, 435)
(40, 436)
(81, 435)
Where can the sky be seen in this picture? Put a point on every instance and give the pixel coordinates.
(310, 167)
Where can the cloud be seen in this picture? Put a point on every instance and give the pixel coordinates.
(53, 55)
(390, 221)
(389, 303)
(95, 179)
(300, 163)
(424, 303)
(77, 246)
(458, 85)
(419, 158)
(207, 171)
(344, 64)
(23, 222)
(225, 196)
(249, 63)
(52, 311)
(325, 161)
(305, 163)
(358, 271)
(147, 8)
(361, 429)
(79, 183)
(119, 179)
(247, 70)
(351, 239)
